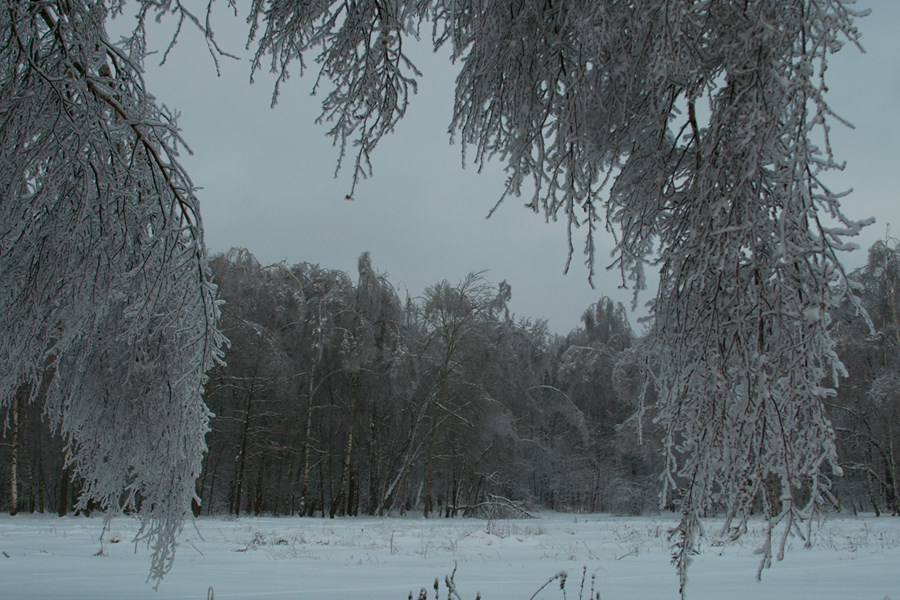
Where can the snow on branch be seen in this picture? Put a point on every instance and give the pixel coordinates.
(105, 279)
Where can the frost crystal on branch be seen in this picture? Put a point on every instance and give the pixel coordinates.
(107, 309)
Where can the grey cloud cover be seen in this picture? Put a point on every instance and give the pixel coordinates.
(268, 185)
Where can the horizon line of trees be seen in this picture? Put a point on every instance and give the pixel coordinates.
(342, 398)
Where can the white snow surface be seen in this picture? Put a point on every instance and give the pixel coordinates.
(44, 556)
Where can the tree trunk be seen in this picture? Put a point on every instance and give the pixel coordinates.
(396, 486)
(429, 464)
(873, 498)
(304, 481)
(441, 394)
(352, 494)
(63, 506)
(337, 501)
(195, 501)
(374, 466)
(242, 457)
(211, 495)
(259, 498)
(894, 479)
(41, 483)
(14, 459)
(322, 482)
(338, 498)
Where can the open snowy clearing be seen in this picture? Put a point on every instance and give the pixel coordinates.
(362, 558)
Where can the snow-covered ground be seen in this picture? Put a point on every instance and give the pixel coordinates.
(367, 558)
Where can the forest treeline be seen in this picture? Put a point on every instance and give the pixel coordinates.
(341, 397)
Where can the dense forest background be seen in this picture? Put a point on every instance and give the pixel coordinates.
(344, 398)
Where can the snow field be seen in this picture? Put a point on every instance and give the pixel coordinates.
(43, 557)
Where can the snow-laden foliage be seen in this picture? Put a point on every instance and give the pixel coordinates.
(748, 276)
(699, 129)
(710, 121)
(107, 311)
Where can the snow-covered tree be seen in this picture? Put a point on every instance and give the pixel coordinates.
(700, 130)
(709, 121)
(749, 272)
(454, 337)
(103, 269)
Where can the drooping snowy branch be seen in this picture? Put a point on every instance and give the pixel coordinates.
(361, 59)
(710, 121)
(748, 277)
(105, 279)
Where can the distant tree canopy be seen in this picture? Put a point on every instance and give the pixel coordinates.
(528, 419)
(339, 398)
(698, 129)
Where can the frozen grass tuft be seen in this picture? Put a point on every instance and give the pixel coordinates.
(561, 579)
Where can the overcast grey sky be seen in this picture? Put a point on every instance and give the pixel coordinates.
(268, 185)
